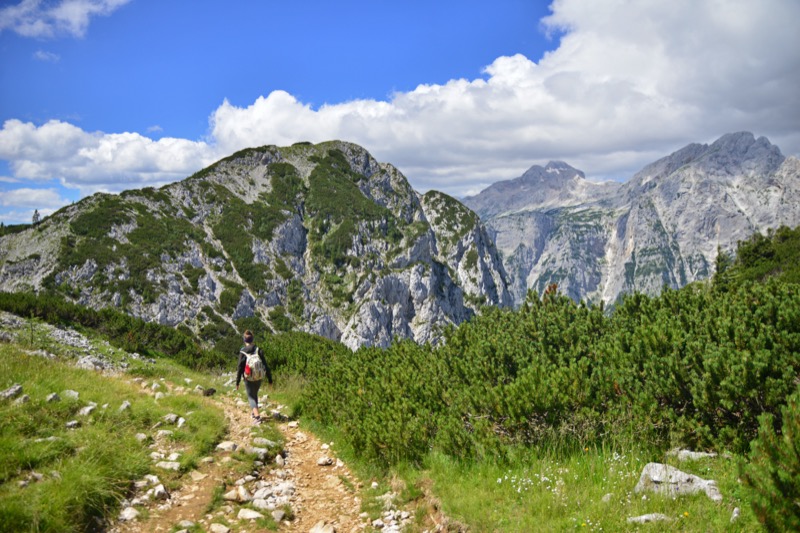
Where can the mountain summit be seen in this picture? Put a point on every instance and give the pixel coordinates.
(662, 227)
(320, 238)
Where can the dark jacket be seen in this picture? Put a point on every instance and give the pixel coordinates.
(243, 361)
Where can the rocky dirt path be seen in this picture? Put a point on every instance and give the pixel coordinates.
(302, 487)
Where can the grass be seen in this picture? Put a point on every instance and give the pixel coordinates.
(85, 474)
(549, 493)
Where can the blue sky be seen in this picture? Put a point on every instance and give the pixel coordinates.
(105, 95)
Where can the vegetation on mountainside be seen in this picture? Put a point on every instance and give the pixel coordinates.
(451, 216)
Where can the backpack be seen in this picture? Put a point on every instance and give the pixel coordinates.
(254, 369)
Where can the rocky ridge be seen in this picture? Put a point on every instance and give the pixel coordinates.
(662, 227)
(318, 238)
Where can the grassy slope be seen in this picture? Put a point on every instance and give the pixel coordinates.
(85, 473)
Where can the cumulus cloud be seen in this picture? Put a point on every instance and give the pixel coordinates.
(38, 18)
(97, 161)
(628, 83)
(33, 198)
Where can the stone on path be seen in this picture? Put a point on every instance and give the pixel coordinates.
(261, 441)
(197, 476)
(227, 446)
(322, 527)
(239, 494)
(324, 461)
(169, 465)
(249, 514)
(668, 480)
(160, 493)
(127, 514)
(186, 524)
(647, 518)
(278, 515)
(280, 461)
(218, 528)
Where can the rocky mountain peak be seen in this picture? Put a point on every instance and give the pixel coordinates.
(320, 238)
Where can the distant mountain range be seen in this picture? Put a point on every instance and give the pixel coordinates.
(661, 228)
(320, 238)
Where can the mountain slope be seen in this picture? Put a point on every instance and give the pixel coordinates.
(320, 238)
(663, 227)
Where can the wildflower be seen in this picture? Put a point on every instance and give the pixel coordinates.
(686, 513)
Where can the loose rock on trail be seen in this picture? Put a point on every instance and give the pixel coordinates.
(295, 489)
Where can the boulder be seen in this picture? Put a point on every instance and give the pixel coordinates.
(668, 480)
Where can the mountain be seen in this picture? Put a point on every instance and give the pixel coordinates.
(319, 238)
(662, 227)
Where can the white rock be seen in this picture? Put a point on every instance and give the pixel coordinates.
(687, 455)
(164, 433)
(607, 497)
(171, 418)
(227, 446)
(169, 465)
(127, 514)
(86, 411)
(322, 527)
(72, 424)
(262, 493)
(280, 461)
(278, 515)
(125, 406)
(22, 399)
(378, 524)
(156, 456)
(294, 424)
(159, 395)
(161, 493)
(174, 456)
(324, 461)
(219, 528)
(261, 503)
(261, 453)
(197, 476)
(141, 437)
(647, 518)
(152, 480)
(249, 514)
(53, 397)
(260, 441)
(668, 480)
(735, 515)
(11, 392)
(181, 422)
(71, 394)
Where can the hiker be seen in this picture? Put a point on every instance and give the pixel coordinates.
(253, 367)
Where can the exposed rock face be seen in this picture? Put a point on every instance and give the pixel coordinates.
(319, 238)
(663, 227)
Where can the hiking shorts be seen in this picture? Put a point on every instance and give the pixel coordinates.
(251, 387)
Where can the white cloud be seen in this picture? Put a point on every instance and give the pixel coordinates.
(155, 129)
(629, 82)
(33, 198)
(37, 18)
(47, 57)
(97, 161)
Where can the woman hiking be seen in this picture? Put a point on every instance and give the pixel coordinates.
(253, 367)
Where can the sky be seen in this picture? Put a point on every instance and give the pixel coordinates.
(108, 95)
